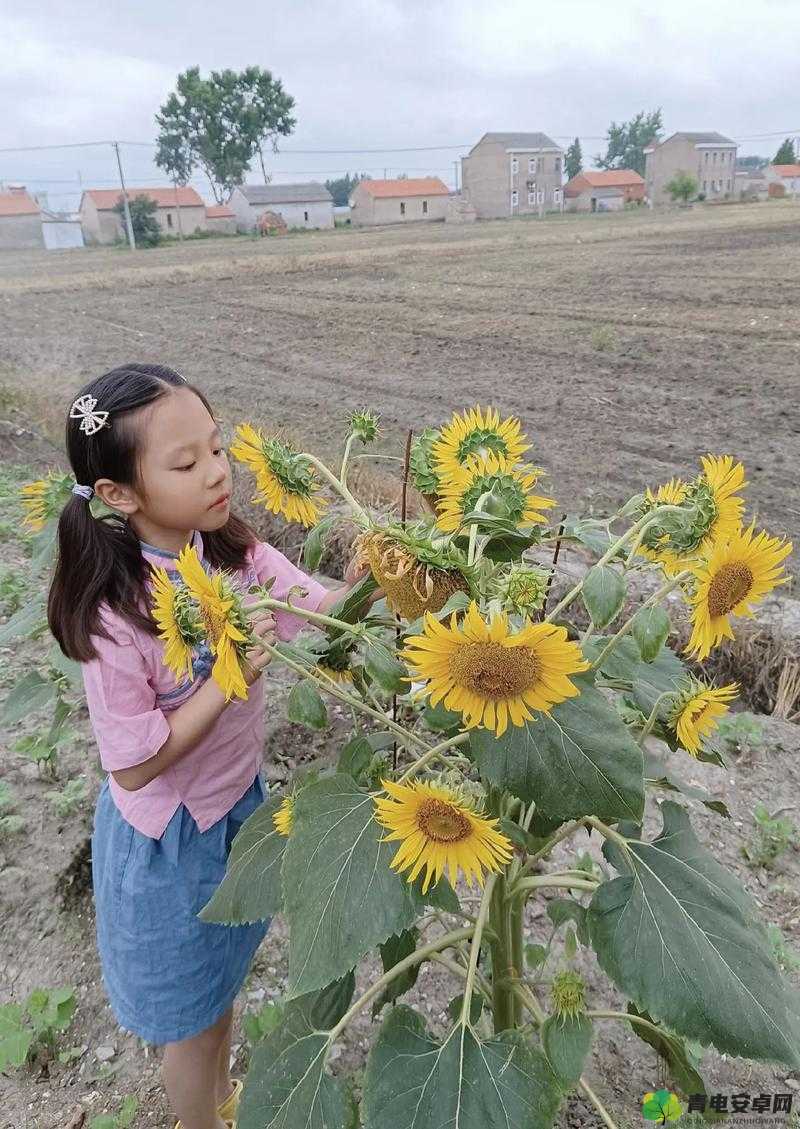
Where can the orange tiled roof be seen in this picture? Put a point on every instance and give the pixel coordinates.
(17, 204)
(105, 199)
(787, 170)
(610, 178)
(219, 212)
(412, 186)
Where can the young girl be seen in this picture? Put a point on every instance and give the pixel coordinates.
(183, 765)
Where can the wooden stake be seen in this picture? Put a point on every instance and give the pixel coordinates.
(403, 516)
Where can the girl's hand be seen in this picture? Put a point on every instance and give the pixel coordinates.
(354, 573)
(256, 659)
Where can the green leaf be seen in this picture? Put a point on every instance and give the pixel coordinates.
(104, 1121)
(603, 594)
(31, 694)
(475, 1008)
(566, 1042)
(127, 1111)
(658, 774)
(315, 542)
(570, 943)
(287, 1085)
(441, 896)
(306, 707)
(589, 532)
(15, 1037)
(709, 972)
(414, 1082)
(382, 666)
(392, 952)
(340, 895)
(661, 1106)
(349, 607)
(251, 889)
(68, 667)
(625, 664)
(43, 546)
(560, 910)
(672, 1048)
(535, 954)
(355, 758)
(24, 622)
(650, 629)
(580, 760)
(440, 720)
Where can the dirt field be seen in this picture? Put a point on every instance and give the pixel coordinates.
(628, 344)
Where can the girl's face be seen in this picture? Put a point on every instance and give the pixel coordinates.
(184, 475)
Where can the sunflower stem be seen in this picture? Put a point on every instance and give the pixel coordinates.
(608, 832)
(475, 947)
(551, 881)
(563, 833)
(319, 618)
(419, 955)
(338, 486)
(630, 1018)
(647, 728)
(473, 530)
(607, 1119)
(346, 460)
(431, 754)
(516, 915)
(650, 602)
(503, 1007)
(609, 553)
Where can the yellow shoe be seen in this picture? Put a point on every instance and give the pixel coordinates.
(230, 1106)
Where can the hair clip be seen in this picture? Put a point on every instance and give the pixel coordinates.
(84, 409)
(86, 492)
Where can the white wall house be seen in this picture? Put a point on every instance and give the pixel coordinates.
(299, 205)
(20, 220)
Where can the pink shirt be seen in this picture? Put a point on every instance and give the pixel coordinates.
(129, 692)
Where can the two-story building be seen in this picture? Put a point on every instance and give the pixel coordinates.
(513, 174)
(709, 157)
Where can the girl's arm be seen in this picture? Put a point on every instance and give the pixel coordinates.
(351, 578)
(189, 723)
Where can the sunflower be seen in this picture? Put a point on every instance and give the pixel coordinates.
(490, 676)
(492, 474)
(415, 572)
(45, 499)
(223, 619)
(283, 818)
(439, 828)
(173, 615)
(480, 433)
(697, 711)
(287, 483)
(738, 572)
(715, 508)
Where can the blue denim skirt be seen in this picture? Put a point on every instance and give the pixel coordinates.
(168, 975)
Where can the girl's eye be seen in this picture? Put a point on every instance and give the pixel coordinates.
(187, 467)
(219, 451)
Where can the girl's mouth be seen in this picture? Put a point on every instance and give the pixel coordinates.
(220, 502)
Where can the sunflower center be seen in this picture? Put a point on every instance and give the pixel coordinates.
(698, 712)
(730, 585)
(442, 821)
(214, 623)
(493, 671)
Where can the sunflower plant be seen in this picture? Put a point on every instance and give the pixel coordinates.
(510, 732)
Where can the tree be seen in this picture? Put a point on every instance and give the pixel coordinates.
(683, 186)
(786, 154)
(627, 141)
(573, 159)
(751, 162)
(219, 123)
(146, 231)
(341, 187)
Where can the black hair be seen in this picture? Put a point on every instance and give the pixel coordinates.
(99, 558)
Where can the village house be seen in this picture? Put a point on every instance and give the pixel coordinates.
(405, 200)
(750, 184)
(299, 205)
(511, 174)
(783, 180)
(605, 190)
(20, 220)
(709, 157)
(179, 211)
(220, 219)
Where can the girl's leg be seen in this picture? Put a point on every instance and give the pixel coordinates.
(191, 1070)
(224, 1084)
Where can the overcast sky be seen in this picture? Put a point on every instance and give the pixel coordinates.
(392, 74)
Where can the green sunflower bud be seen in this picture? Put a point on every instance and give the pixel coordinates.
(364, 426)
(568, 993)
(523, 589)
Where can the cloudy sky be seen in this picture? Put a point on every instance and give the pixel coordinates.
(389, 75)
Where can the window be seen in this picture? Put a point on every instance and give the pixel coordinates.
(705, 187)
(706, 157)
(169, 219)
(531, 164)
(540, 196)
(540, 164)
(514, 198)
(514, 165)
(424, 207)
(558, 164)
(714, 159)
(305, 216)
(402, 208)
(556, 195)
(531, 197)
(729, 184)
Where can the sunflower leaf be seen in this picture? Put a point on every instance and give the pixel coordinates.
(251, 888)
(658, 774)
(306, 706)
(566, 1042)
(676, 1054)
(315, 542)
(341, 897)
(394, 950)
(578, 760)
(414, 1082)
(710, 973)
(603, 594)
(650, 629)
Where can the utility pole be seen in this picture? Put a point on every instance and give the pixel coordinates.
(455, 166)
(128, 221)
(178, 210)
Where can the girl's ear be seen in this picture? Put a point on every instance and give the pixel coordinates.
(120, 498)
